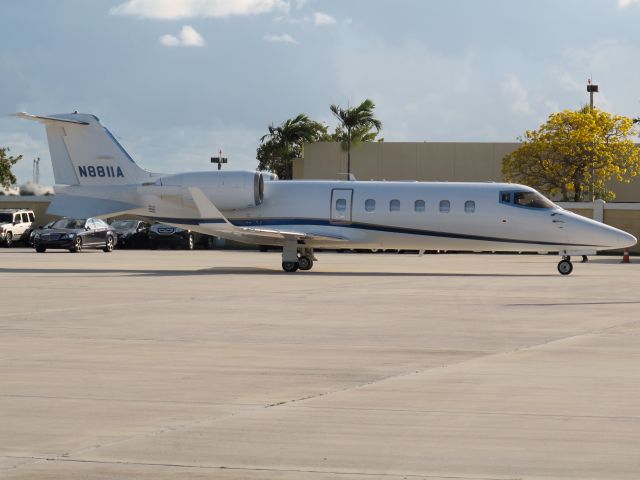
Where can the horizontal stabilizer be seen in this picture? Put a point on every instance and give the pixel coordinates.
(73, 206)
(44, 119)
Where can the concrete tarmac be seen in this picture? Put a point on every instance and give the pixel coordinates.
(176, 364)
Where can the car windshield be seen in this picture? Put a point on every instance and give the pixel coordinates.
(532, 200)
(6, 217)
(70, 223)
(124, 224)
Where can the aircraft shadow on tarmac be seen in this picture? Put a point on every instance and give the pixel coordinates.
(248, 271)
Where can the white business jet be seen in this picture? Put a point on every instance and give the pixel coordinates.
(95, 176)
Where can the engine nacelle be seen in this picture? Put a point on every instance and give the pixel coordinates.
(227, 190)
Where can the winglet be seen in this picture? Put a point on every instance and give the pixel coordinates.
(208, 211)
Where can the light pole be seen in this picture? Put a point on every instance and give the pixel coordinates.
(591, 88)
(219, 159)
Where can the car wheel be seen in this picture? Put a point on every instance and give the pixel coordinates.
(153, 245)
(190, 243)
(108, 246)
(77, 245)
(40, 249)
(8, 241)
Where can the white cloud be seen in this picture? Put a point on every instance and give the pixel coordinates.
(514, 90)
(188, 37)
(284, 38)
(626, 3)
(322, 19)
(419, 93)
(177, 9)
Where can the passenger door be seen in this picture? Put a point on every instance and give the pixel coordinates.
(341, 205)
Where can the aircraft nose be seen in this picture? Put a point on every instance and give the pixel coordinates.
(626, 240)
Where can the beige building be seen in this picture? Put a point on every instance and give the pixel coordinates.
(423, 161)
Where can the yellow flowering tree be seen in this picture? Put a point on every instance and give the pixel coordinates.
(575, 153)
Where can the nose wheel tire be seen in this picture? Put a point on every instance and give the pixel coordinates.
(565, 267)
(305, 263)
(290, 266)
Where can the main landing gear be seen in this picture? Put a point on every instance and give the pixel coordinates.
(296, 257)
(565, 267)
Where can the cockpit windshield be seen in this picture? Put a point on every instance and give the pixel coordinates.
(526, 199)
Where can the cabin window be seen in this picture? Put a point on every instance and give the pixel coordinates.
(370, 205)
(469, 206)
(505, 197)
(341, 204)
(445, 206)
(394, 205)
(419, 206)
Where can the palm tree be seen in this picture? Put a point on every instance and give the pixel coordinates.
(284, 143)
(355, 126)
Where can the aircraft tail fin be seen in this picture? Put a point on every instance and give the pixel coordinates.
(84, 152)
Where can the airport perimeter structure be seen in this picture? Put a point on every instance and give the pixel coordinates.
(177, 364)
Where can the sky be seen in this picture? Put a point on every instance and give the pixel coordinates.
(177, 80)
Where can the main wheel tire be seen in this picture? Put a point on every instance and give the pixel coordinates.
(108, 244)
(8, 240)
(190, 243)
(77, 245)
(40, 249)
(290, 266)
(565, 267)
(305, 263)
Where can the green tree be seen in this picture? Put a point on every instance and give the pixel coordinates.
(7, 177)
(356, 125)
(574, 153)
(283, 143)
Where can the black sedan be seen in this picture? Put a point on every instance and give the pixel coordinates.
(131, 233)
(175, 237)
(74, 234)
(46, 226)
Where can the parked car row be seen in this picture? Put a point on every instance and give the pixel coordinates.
(74, 234)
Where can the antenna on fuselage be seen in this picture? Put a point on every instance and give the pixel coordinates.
(350, 176)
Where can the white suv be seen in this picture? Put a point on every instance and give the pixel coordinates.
(15, 225)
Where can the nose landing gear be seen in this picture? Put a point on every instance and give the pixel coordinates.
(565, 267)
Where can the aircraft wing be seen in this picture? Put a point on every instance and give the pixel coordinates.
(208, 211)
(288, 235)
